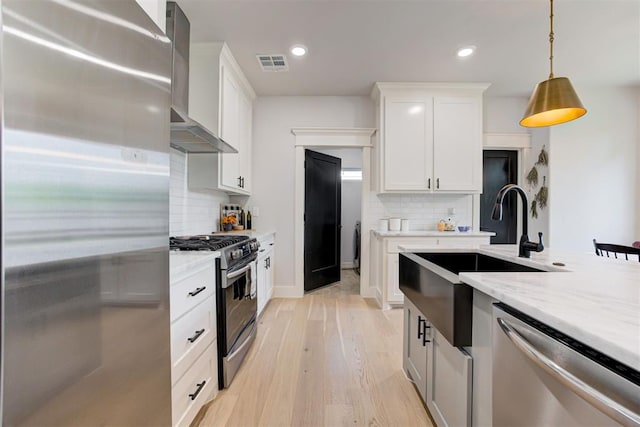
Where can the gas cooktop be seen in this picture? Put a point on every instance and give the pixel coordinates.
(204, 242)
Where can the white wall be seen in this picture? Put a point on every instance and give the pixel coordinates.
(594, 163)
(539, 139)
(350, 201)
(503, 114)
(274, 160)
(191, 212)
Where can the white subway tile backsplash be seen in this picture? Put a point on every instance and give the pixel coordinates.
(190, 211)
(422, 210)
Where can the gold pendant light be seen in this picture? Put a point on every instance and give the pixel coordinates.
(553, 101)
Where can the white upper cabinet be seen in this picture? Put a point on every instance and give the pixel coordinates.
(457, 133)
(429, 139)
(408, 134)
(245, 116)
(221, 98)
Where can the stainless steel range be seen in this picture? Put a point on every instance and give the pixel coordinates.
(236, 304)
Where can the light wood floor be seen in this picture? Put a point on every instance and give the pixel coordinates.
(349, 284)
(322, 360)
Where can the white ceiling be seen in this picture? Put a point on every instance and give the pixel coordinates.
(354, 43)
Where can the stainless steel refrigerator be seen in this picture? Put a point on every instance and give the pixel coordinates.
(85, 89)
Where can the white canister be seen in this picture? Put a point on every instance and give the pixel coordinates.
(394, 224)
(404, 225)
(383, 225)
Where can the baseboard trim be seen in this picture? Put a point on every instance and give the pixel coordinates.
(287, 292)
(378, 296)
(346, 265)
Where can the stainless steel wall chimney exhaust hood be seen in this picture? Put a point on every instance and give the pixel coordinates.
(187, 135)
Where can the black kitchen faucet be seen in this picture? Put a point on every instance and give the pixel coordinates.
(526, 246)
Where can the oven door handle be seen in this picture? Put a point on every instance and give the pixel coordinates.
(238, 273)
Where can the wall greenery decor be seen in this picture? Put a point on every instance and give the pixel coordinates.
(541, 199)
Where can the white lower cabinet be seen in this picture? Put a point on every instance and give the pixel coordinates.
(393, 293)
(195, 388)
(449, 383)
(194, 352)
(265, 271)
(441, 372)
(415, 348)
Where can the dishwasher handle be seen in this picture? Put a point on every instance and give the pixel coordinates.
(604, 403)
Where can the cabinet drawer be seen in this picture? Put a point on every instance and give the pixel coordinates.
(190, 335)
(192, 290)
(185, 398)
(392, 244)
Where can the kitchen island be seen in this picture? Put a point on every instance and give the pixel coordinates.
(592, 299)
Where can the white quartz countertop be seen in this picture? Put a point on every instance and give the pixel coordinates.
(182, 263)
(593, 299)
(432, 233)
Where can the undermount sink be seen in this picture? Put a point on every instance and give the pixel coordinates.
(431, 282)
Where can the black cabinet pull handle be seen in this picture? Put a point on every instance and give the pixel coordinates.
(196, 336)
(438, 183)
(429, 184)
(198, 390)
(269, 262)
(239, 181)
(424, 334)
(422, 330)
(197, 291)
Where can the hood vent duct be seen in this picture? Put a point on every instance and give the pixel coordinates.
(187, 135)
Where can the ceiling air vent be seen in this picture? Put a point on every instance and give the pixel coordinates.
(273, 62)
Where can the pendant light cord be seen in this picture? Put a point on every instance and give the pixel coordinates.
(551, 42)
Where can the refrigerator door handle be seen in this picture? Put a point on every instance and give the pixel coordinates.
(594, 397)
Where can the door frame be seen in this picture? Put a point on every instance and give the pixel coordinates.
(330, 138)
(520, 142)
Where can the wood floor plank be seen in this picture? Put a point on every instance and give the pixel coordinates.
(331, 358)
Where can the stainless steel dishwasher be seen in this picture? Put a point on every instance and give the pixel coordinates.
(542, 377)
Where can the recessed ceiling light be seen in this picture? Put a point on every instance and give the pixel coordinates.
(298, 50)
(466, 51)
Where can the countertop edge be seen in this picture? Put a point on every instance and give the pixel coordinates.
(432, 233)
